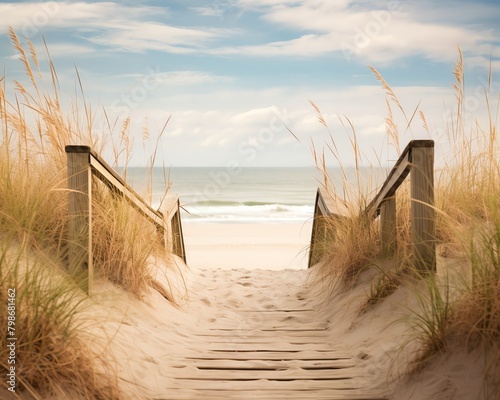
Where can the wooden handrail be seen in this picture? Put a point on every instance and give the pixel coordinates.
(83, 163)
(417, 159)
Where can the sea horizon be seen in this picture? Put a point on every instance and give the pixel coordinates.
(242, 195)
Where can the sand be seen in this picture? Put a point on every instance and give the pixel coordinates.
(250, 245)
(277, 322)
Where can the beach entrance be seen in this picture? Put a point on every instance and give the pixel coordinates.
(261, 336)
(248, 217)
(253, 331)
(272, 246)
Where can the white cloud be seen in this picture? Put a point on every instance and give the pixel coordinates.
(63, 49)
(184, 78)
(255, 116)
(372, 32)
(366, 32)
(131, 28)
(176, 78)
(221, 122)
(210, 11)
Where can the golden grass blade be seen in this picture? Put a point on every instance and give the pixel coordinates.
(24, 59)
(34, 57)
(424, 121)
(412, 116)
(321, 118)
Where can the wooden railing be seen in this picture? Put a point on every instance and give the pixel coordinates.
(417, 160)
(83, 164)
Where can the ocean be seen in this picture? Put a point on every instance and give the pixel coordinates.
(224, 195)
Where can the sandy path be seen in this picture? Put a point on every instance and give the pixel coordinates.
(257, 334)
(247, 246)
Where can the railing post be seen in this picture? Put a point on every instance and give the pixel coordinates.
(388, 225)
(178, 241)
(172, 227)
(318, 234)
(80, 218)
(422, 208)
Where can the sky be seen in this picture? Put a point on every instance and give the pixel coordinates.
(234, 77)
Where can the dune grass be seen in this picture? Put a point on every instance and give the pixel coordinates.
(465, 310)
(35, 126)
(50, 357)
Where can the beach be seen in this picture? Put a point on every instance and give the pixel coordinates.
(272, 246)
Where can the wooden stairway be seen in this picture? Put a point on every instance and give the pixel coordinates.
(271, 353)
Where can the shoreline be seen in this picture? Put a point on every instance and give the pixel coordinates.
(252, 245)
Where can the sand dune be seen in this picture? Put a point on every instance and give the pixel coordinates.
(266, 334)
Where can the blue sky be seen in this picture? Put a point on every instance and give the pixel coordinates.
(228, 71)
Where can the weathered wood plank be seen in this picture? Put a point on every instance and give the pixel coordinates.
(422, 209)
(271, 347)
(265, 334)
(270, 326)
(263, 322)
(324, 394)
(125, 190)
(317, 394)
(261, 384)
(266, 364)
(236, 339)
(392, 183)
(321, 328)
(324, 208)
(173, 237)
(270, 375)
(178, 245)
(388, 225)
(303, 355)
(273, 310)
(397, 175)
(169, 206)
(80, 219)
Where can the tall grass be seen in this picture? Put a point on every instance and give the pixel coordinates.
(50, 357)
(123, 242)
(467, 192)
(35, 126)
(351, 237)
(464, 311)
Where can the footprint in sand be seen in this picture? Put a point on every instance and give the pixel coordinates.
(206, 301)
(301, 296)
(234, 303)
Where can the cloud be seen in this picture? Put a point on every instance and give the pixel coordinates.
(183, 78)
(176, 78)
(211, 11)
(109, 24)
(380, 32)
(221, 123)
(256, 115)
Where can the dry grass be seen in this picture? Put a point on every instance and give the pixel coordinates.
(353, 249)
(123, 243)
(352, 238)
(34, 130)
(467, 189)
(50, 357)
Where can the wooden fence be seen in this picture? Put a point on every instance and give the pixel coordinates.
(83, 165)
(417, 160)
